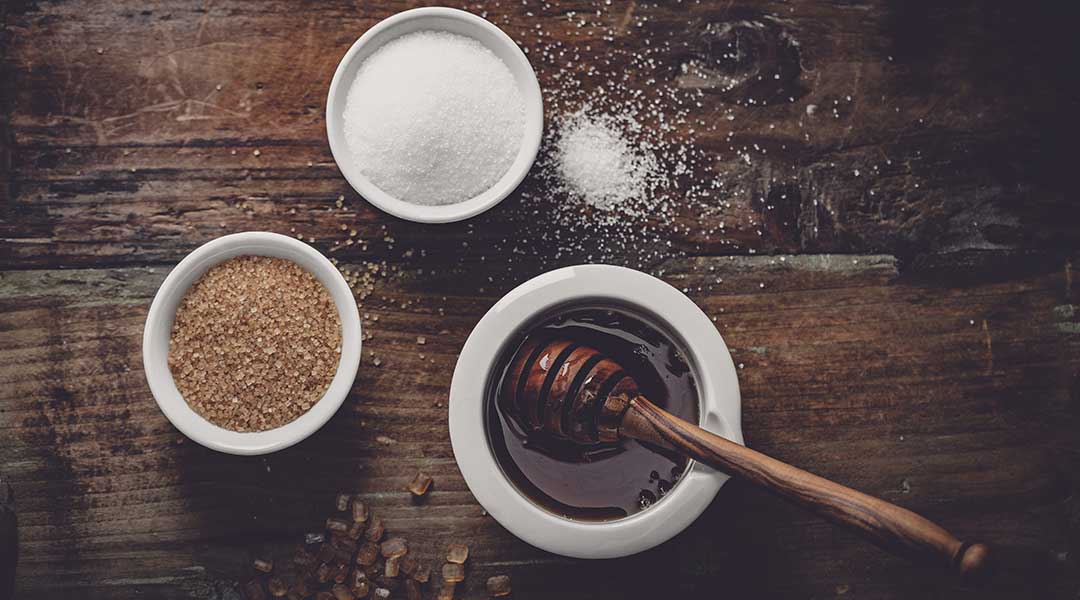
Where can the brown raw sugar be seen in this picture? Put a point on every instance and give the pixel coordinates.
(255, 343)
(331, 565)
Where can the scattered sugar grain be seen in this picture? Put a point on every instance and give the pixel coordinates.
(600, 166)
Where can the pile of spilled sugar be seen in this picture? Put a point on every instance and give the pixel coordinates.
(598, 165)
(434, 118)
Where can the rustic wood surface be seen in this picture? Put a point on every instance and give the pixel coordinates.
(898, 287)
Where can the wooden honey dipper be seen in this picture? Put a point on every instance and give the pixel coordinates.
(573, 392)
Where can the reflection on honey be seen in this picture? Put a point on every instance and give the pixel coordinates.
(601, 481)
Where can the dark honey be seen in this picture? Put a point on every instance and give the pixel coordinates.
(602, 481)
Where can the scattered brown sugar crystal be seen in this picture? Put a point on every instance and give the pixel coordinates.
(342, 502)
(393, 566)
(420, 484)
(457, 553)
(345, 543)
(395, 547)
(446, 591)
(360, 587)
(323, 573)
(336, 565)
(389, 583)
(359, 511)
(341, 592)
(355, 530)
(255, 343)
(367, 555)
(453, 572)
(336, 525)
(498, 585)
(341, 572)
(375, 531)
(277, 587)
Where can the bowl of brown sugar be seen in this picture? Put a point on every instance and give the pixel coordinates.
(252, 343)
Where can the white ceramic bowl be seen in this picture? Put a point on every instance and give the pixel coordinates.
(159, 324)
(591, 285)
(453, 21)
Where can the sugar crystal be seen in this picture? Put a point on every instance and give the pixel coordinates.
(253, 343)
(434, 118)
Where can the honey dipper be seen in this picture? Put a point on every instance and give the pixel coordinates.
(573, 392)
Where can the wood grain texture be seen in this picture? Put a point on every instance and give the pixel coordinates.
(891, 527)
(906, 324)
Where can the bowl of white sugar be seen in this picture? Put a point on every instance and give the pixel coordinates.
(434, 115)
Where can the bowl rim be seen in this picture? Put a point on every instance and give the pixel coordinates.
(719, 409)
(158, 328)
(447, 213)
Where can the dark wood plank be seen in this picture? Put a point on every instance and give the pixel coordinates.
(888, 387)
(135, 155)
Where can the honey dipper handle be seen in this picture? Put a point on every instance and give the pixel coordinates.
(891, 527)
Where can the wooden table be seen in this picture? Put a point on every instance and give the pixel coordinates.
(898, 289)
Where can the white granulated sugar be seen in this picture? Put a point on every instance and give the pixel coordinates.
(434, 118)
(599, 165)
(614, 104)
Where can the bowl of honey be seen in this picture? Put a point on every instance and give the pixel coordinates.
(608, 499)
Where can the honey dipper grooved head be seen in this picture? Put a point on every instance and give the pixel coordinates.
(568, 390)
